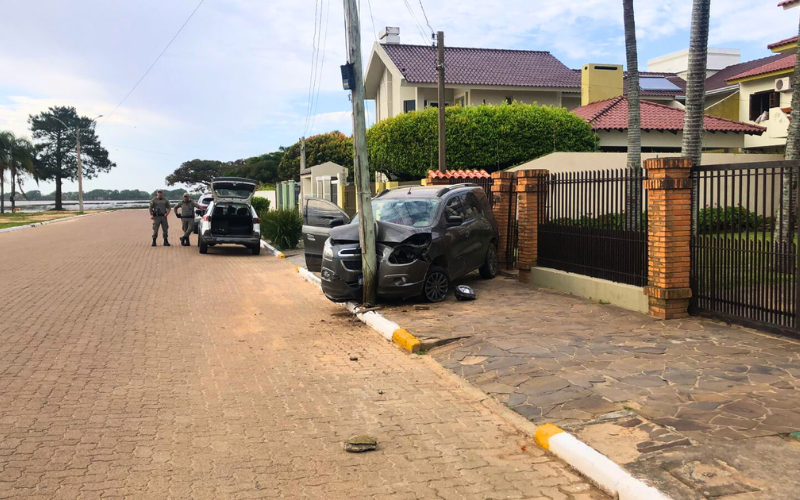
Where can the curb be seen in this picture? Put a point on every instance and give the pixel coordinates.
(599, 469)
(277, 253)
(44, 223)
(389, 330)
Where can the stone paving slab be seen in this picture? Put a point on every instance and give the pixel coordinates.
(562, 359)
(135, 372)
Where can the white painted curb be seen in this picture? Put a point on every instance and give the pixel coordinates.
(277, 253)
(607, 475)
(44, 223)
(370, 318)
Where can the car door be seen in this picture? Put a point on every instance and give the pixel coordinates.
(458, 234)
(319, 216)
(480, 231)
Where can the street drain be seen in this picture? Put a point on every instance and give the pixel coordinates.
(712, 480)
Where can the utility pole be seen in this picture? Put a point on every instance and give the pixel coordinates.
(302, 153)
(80, 170)
(440, 71)
(366, 223)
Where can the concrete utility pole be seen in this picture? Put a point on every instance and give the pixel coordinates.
(440, 70)
(366, 223)
(302, 153)
(80, 170)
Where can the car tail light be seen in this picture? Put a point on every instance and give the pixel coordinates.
(206, 218)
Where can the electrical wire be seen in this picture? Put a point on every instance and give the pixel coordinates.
(154, 62)
(311, 79)
(374, 30)
(426, 17)
(321, 67)
(416, 22)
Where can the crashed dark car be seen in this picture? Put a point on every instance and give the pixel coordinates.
(425, 238)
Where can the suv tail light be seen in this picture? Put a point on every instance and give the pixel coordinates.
(206, 218)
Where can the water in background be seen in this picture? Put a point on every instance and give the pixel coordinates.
(42, 206)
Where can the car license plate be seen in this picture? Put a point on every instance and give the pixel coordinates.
(360, 280)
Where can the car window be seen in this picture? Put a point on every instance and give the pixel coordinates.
(320, 212)
(472, 208)
(453, 207)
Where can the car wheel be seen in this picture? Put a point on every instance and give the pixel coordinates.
(202, 244)
(256, 249)
(491, 265)
(436, 285)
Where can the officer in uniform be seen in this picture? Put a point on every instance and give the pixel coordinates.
(159, 210)
(186, 215)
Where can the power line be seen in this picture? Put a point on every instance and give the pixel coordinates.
(416, 22)
(374, 31)
(154, 62)
(311, 80)
(321, 67)
(426, 16)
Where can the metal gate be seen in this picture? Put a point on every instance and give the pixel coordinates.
(744, 244)
(513, 227)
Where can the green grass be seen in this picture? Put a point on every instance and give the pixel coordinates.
(8, 220)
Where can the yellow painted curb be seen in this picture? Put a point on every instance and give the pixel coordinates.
(296, 269)
(281, 256)
(405, 340)
(544, 433)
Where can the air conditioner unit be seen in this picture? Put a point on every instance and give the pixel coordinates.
(783, 84)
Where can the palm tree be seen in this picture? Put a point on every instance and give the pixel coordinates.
(696, 82)
(792, 153)
(6, 140)
(21, 156)
(634, 197)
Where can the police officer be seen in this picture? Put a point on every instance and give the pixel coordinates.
(186, 216)
(159, 210)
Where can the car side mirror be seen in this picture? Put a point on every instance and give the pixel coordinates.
(336, 222)
(454, 220)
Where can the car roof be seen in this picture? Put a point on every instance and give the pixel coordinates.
(425, 191)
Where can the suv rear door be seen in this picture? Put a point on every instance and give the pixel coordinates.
(233, 190)
(319, 216)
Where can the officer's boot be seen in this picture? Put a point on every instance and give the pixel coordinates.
(154, 242)
(184, 243)
(166, 243)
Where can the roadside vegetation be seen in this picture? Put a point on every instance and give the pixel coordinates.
(283, 228)
(26, 218)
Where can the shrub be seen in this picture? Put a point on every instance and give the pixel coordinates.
(717, 219)
(283, 228)
(261, 206)
(482, 137)
(331, 146)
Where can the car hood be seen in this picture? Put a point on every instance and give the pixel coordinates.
(385, 232)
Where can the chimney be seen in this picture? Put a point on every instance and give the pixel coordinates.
(390, 35)
(599, 82)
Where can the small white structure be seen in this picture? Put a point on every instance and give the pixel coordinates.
(323, 181)
(678, 62)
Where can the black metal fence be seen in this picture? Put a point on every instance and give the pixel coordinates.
(594, 223)
(484, 182)
(744, 243)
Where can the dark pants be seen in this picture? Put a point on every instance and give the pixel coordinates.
(187, 224)
(160, 221)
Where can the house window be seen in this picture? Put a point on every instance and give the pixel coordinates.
(509, 100)
(762, 102)
(410, 105)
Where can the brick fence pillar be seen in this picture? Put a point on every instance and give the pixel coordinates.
(501, 197)
(669, 229)
(529, 184)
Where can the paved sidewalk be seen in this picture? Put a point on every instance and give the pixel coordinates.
(130, 371)
(654, 395)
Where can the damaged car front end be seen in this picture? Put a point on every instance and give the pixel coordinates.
(403, 257)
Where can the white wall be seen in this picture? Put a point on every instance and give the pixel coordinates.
(669, 140)
(270, 195)
(746, 89)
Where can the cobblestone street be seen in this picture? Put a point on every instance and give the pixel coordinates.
(139, 372)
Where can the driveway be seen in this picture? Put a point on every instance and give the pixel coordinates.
(131, 371)
(653, 395)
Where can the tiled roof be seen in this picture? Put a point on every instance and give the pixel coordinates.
(782, 62)
(719, 80)
(612, 114)
(459, 174)
(785, 41)
(468, 66)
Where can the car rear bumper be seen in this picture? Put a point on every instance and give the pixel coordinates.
(233, 240)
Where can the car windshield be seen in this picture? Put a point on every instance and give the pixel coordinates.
(225, 192)
(413, 212)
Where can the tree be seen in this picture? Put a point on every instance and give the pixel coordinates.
(406, 146)
(633, 198)
(6, 140)
(696, 82)
(197, 174)
(263, 169)
(55, 146)
(792, 153)
(332, 146)
(21, 157)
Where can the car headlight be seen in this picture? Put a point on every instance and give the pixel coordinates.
(327, 250)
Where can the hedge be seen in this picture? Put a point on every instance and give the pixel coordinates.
(478, 137)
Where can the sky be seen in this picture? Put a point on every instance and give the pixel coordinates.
(236, 81)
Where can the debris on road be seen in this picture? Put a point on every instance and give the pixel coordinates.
(353, 358)
(360, 444)
(420, 307)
